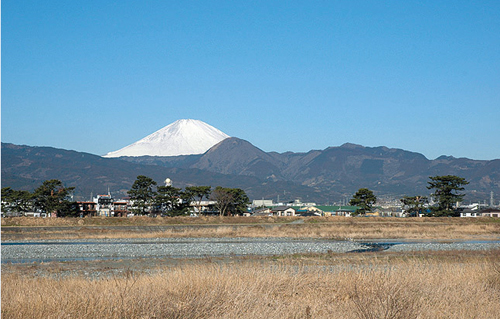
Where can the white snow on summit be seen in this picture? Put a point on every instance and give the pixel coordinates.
(183, 137)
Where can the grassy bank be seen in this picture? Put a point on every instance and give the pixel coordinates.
(294, 227)
(460, 285)
(143, 221)
(236, 220)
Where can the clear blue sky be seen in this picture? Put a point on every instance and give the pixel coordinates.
(95, 76)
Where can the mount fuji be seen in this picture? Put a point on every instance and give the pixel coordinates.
(183, 137)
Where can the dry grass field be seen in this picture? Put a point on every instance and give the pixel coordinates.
(235, 220)
(451, 284)
(431, 285)
(295, 227)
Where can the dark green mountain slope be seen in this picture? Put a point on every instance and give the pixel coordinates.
(25, 167)
(337, 172)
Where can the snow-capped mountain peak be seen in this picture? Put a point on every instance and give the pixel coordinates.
(183, 137)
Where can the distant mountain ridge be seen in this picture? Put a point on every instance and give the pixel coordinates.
(26, 167)
(340, 171)
(323, 176)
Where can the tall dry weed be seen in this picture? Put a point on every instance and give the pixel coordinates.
(387, 296)
(494, 269)
(375, 288)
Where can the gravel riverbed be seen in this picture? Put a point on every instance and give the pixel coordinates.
(102, 249)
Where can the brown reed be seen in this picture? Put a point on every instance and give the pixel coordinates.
(314, 227)
(411, 287)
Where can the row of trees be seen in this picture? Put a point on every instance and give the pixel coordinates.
(172, 201)
(53, 197)
(50, 197)
(446, 195)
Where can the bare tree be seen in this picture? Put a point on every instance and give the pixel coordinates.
(224, 198)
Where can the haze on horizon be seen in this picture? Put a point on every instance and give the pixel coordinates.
(284, 75)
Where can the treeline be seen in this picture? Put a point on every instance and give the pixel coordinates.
(172, 201)
(147, 197)
(50, 197)
(446, 195)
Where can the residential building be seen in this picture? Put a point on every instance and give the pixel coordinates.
(262, 203)
(87, 208)
(104, 205)
(490, 212)
(470, 213)
(283, 211)
(266, 211)
(120, 208)
(325, 210)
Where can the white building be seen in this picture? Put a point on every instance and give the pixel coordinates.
(283, 211)
(262, 203)
(104, 205)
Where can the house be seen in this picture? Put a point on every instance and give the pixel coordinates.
(375, 213)
(104, 205)
(266, 211)
(205, 207)
(298, 202)
(283, 211)
(490, 212)
(310, 211)
(343, 211)
(120, 208)
(327, 210)
(86, 209)
(470, 213)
